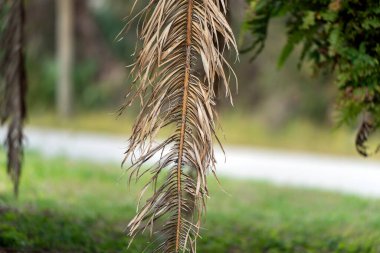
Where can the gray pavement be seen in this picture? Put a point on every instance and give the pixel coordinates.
(341, 174)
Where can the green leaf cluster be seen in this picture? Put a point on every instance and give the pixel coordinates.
(336, 36)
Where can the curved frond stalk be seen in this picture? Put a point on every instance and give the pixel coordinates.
(13, 82)
(176, 36)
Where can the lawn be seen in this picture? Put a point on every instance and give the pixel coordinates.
(68, 206)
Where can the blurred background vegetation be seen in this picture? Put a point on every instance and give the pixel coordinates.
(74, 206)
(273, 107)
(100, 61)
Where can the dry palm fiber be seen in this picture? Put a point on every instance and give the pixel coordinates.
(13, 83)
(366, 129)
(176, 36)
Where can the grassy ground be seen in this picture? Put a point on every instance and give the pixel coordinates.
(68, 206)
(237, 130)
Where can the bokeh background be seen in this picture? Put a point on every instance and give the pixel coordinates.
(269, 105)
(293, 181)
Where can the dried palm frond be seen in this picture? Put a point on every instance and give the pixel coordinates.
(366, 129)
(176, 36)
(13, 83)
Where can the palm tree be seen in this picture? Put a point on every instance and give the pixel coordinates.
(175, 37)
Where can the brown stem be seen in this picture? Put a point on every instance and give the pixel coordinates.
(184, 115)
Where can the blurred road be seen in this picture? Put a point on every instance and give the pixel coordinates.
(341, 174)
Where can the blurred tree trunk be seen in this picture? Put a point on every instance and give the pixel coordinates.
(65, 45)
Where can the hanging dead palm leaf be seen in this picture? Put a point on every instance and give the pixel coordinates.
(176, 36)
(367, 128)
(12, 82)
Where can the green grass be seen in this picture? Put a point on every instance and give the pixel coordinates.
(67, 206)
(237, 129)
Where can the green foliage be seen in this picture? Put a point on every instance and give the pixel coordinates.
(336, 36)
(44, 76)
(42, 79)
(110, 25)
(89, 94)
(68, 206)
